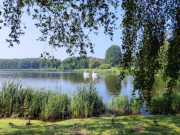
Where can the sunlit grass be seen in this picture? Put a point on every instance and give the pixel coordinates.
(135, 124)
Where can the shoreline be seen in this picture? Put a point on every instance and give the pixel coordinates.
(99, 71)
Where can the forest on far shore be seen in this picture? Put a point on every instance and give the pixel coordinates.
(112, 59)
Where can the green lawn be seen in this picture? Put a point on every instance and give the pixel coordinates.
(135, 124)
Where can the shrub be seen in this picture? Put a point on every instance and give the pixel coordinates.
(105, 66)
(135, 105)
(159, 104)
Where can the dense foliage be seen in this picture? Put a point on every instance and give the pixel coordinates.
(144, 26)
(67, 64)
(113, 55)
(60, 22)
(28, 63)
(105, 66)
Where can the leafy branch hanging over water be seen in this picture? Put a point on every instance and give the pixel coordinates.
(144, 26)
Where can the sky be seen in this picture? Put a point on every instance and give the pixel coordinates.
(29, 47)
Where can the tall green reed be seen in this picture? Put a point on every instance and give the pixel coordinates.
(86, 102)
(43, 104)
(119, 104)
(135, 105)
(12, 98)
(57, 106)
(122, 105)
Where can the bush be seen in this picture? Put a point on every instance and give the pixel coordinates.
(105, 66)
(159, 104)
(135, 106)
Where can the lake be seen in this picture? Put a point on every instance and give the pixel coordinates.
(107, 85)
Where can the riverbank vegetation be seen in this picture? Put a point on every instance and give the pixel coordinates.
(43, 104)
(27, 63)
(16, 101)
(70, 64)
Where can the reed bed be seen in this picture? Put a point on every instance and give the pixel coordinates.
(49, 105)
(121, 105)
(86, 102)
(16, 101)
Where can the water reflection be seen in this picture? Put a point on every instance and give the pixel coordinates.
(86, 76)
(107, 85)
(124, 82)
(95, 78)
(113, 84)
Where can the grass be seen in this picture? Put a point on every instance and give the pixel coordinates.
(132, 124)
(112, 71)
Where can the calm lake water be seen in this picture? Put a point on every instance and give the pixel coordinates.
(107, 85)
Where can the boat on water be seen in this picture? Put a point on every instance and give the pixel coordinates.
(94, 74)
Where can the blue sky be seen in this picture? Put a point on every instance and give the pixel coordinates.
(31, 48)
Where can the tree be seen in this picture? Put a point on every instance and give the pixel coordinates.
(60, 22)
(105, 66)
(94, 62)
(144, 26)
(113, 55)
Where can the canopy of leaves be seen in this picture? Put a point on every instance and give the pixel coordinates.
(95, 62)
(105, 66)
(113, 55)
(144, 26)
(61, 22)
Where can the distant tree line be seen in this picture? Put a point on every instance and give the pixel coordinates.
(37, 63)
(113, 57)
(27, 63)
(81, 63)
